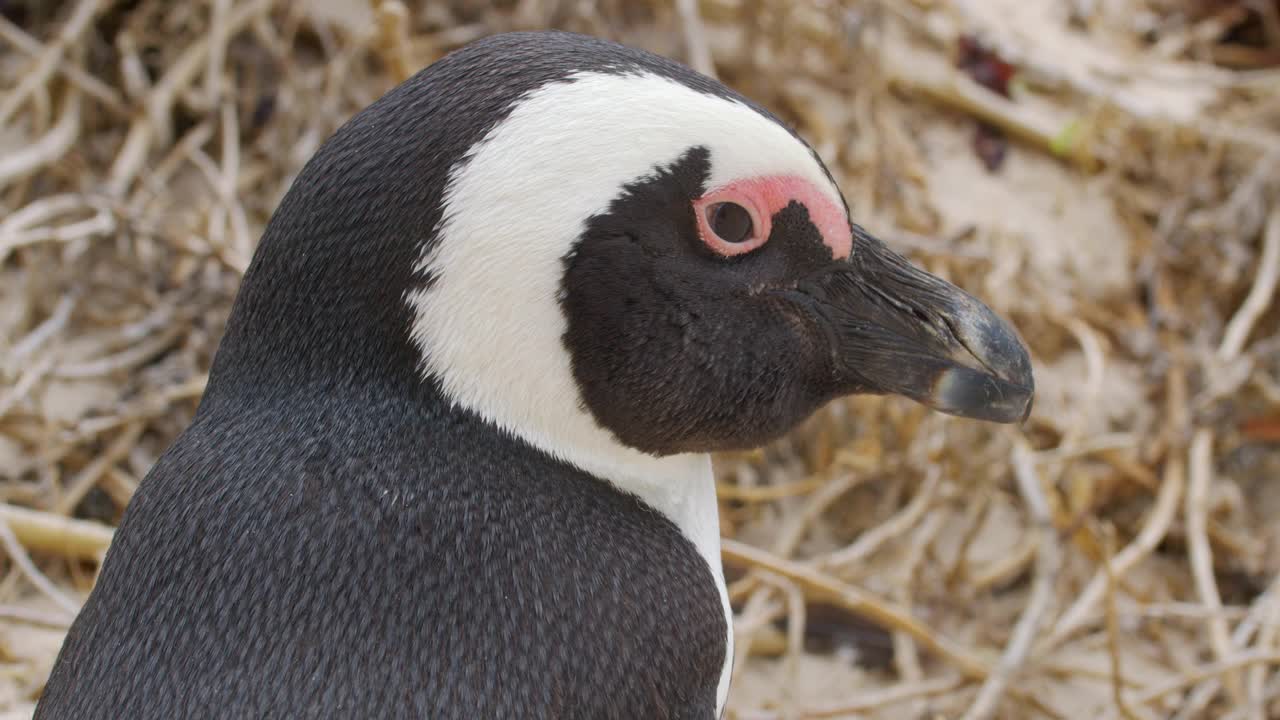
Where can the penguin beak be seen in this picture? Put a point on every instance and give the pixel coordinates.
(896, 329)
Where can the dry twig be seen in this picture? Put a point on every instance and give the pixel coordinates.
(1153, 531)
(1048, 560)
(22, 561)
(1259, 298)
(1201, 555)
(55, 534)
(821, 586)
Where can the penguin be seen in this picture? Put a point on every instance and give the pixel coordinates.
(453, 460)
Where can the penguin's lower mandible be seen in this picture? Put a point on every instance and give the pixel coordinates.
(453, 459)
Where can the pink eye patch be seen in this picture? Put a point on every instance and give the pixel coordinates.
(736, 219)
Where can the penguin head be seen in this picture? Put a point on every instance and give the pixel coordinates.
(608, 255)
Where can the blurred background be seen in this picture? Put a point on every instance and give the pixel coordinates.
(1105, 173)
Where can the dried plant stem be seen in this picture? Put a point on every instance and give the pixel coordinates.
(768, 493)
(1200, 554)
(1259, 297)
(87, 83)
(1212, 670)
(828, 491)
(50, 59)
(894, 695)
(899, 523)
(55, 534)
(48, 147)
(33, 616)
(154, 184)
(793, 532)
(156, 125)
(1113, 630)
(1091, 91)
(102, 223)
(784, 546)
(123, 360)
(1048, 560)
(905, 653)
(975, 519)
(1153, 531)
(18, 555)
(1095, 372)
(32, 374)
(393, 22)
(946, 86)
(695, 39)
(1005, 568)
(1253, 621)
(42, 333)
(749, 622)
(795, 610)
(93, 472)
(1268, 639)
(818, 585)
(217, 56)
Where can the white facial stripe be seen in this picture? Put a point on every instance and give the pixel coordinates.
(490, 324)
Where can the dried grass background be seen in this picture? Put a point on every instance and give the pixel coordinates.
(1116, 557)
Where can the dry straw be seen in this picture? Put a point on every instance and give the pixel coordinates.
(1119, 556)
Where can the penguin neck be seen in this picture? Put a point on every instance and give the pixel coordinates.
(681, 487)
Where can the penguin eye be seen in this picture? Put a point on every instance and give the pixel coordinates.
(730, 221)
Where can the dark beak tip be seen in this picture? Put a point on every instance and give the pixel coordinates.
(970, 393)
(991, 377)
(1001, 388)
